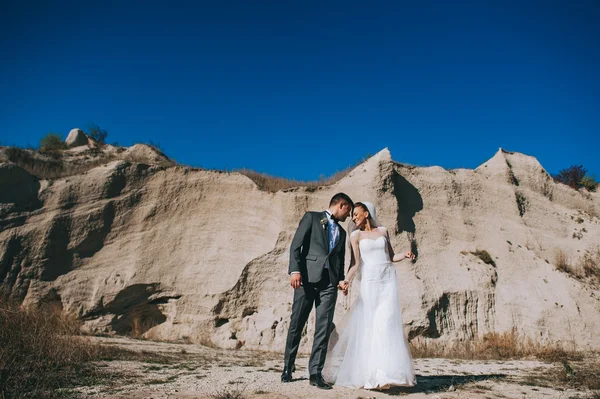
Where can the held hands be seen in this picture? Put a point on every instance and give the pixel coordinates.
(409, 255)
(343, 286)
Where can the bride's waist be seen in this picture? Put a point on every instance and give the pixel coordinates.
(377, 264)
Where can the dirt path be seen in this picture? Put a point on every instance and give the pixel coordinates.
(192, 371)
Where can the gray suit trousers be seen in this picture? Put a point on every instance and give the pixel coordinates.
(323, 295)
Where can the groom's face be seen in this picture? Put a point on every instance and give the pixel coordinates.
(343, 211)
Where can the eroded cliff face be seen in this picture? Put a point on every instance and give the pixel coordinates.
(178, 253)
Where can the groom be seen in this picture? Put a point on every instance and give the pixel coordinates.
(316, 272)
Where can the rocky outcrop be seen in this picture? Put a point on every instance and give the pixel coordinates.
(76, 138)
(180, 253)
(145, 153)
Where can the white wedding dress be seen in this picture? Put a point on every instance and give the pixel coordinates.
(368, 348)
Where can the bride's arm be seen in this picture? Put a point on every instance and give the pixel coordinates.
(394, 256)
(354, 257)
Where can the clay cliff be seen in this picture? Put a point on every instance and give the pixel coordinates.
(176, 253)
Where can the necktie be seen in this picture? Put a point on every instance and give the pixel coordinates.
(333, 233)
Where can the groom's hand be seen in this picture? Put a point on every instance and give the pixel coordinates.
(343, 286)
(296, 280)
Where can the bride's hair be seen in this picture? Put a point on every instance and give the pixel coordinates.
(363, 207)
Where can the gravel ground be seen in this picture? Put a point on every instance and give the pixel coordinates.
(192, 371)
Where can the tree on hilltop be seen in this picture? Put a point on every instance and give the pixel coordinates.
(576, 177)
(98, 134)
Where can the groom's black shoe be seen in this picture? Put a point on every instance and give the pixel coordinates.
(318, 381)
(286, 376)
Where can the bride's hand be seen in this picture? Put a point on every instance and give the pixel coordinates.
(410, 255)
(343, 286)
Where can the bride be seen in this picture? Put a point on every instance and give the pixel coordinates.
(370, 349)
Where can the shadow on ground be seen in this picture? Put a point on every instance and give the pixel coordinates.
(440, 383)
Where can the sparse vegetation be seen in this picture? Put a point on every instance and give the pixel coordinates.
(493, 346)
(51, 168)
(581, 375)
(156, 146)
(561, 262)
(578, 234)
(590, 264)
(43, 353)
(589, 182)
(571, 374)
(483, 255)
(588, 267)
(236, 392)
(273, 184)
(98, 134)
(576, 177)
(140, 325)
(522, 203)
(52, 142)
(40, 353)
(47, 165)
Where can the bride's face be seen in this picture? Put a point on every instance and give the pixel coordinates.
(359, 217)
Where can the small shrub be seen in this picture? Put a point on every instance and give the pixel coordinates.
(589, 182)
(484, 256)
(97, 134)
(52, 142)
(230, 393)
(561, 262)
(590, 263)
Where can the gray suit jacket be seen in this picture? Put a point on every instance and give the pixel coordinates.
(310, 250)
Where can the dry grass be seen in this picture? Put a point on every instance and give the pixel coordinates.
(43, 352)
(50, 165)
(578, 375)
(40, 354)
(273, 184)
(561, 262)
(230, 392)
(581, 375)
(493, 346)
(140, 325)
(590, 264)
(586, 269)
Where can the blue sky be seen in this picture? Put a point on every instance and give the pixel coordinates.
(305, 88)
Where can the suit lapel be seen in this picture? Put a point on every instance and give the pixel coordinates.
(325, 231)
